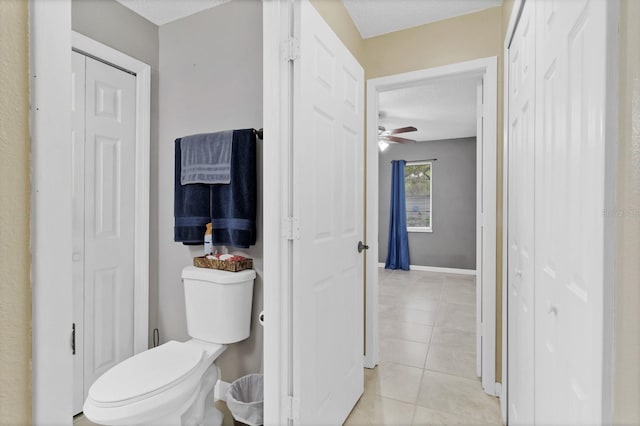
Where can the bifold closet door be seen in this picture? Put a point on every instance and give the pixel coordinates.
(104, 170)
(520, 264)
(558, 73)
(571, 79)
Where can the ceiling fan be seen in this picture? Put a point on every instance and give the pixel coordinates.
(387, 135)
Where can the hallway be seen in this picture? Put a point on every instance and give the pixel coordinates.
(426, 373)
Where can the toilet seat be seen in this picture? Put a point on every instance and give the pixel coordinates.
(146, 374)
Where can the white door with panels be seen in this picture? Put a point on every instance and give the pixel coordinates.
(556, 190)
(103, 148)
(571, 81)
(328, 199)
(521, 127)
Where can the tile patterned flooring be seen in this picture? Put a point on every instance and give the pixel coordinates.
(426, 374)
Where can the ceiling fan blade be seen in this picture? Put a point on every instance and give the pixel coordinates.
(400, 130)
(396, 139)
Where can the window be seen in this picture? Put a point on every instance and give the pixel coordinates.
(417, 186)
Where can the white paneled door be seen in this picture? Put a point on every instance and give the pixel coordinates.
(328, 200)
(556, 199)
(521, 128)
(571, 80)
(103, 140)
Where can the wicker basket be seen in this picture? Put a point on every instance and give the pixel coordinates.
(224, 265)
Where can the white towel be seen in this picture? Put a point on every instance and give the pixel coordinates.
(206, 158)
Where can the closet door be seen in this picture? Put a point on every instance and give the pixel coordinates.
(570, 159)
(109, 217)
(521, 277)
(103, 140)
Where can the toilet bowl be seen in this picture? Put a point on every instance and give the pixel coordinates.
(173, 383)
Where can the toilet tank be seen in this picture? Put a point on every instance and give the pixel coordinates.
(218, 303)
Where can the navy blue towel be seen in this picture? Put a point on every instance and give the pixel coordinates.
(233, 206)
(191, 206)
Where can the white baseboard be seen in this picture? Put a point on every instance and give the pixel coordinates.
(503, 405)
(220, 391)
(438, 269)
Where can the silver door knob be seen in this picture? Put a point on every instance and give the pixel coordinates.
(362, 246)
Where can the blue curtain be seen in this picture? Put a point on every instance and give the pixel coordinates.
(398, 250)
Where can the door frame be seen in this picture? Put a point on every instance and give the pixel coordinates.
(142, 73)
(487, 175)
(51, 42)
(51, 271)
(277, 27)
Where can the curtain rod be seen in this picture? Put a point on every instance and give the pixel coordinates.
(414, 161)
(259, 133)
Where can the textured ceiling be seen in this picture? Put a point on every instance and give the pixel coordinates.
(376, 17)
(443, 109)
(163, 11)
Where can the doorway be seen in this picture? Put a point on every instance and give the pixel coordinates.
(103, 146)
(51, 162)
(485, 69)
(110, 216)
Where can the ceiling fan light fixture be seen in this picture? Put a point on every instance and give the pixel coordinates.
(388, 135)
(382, 145)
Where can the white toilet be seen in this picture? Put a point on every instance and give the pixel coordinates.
(173, 383)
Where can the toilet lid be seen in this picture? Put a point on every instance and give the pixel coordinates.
(146, 372)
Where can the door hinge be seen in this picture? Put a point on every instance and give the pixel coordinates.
(291, 228)
(73, 338)
(293, 408)
(290, 49)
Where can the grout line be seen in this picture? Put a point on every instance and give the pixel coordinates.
(419, 388)
(395, 399)
(424, 367)
(413, 415)
(475, 379)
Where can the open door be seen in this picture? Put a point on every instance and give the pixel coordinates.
(327, 288)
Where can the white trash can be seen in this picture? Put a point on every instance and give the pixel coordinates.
(245, 399)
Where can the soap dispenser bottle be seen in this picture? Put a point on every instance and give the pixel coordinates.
(208, 239)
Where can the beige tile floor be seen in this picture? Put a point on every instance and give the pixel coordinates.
(426, 374)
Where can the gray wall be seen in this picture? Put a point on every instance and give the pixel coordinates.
(452, 244)
(211, 79)
(110, 23)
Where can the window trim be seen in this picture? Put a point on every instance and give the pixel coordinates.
(423, 229)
